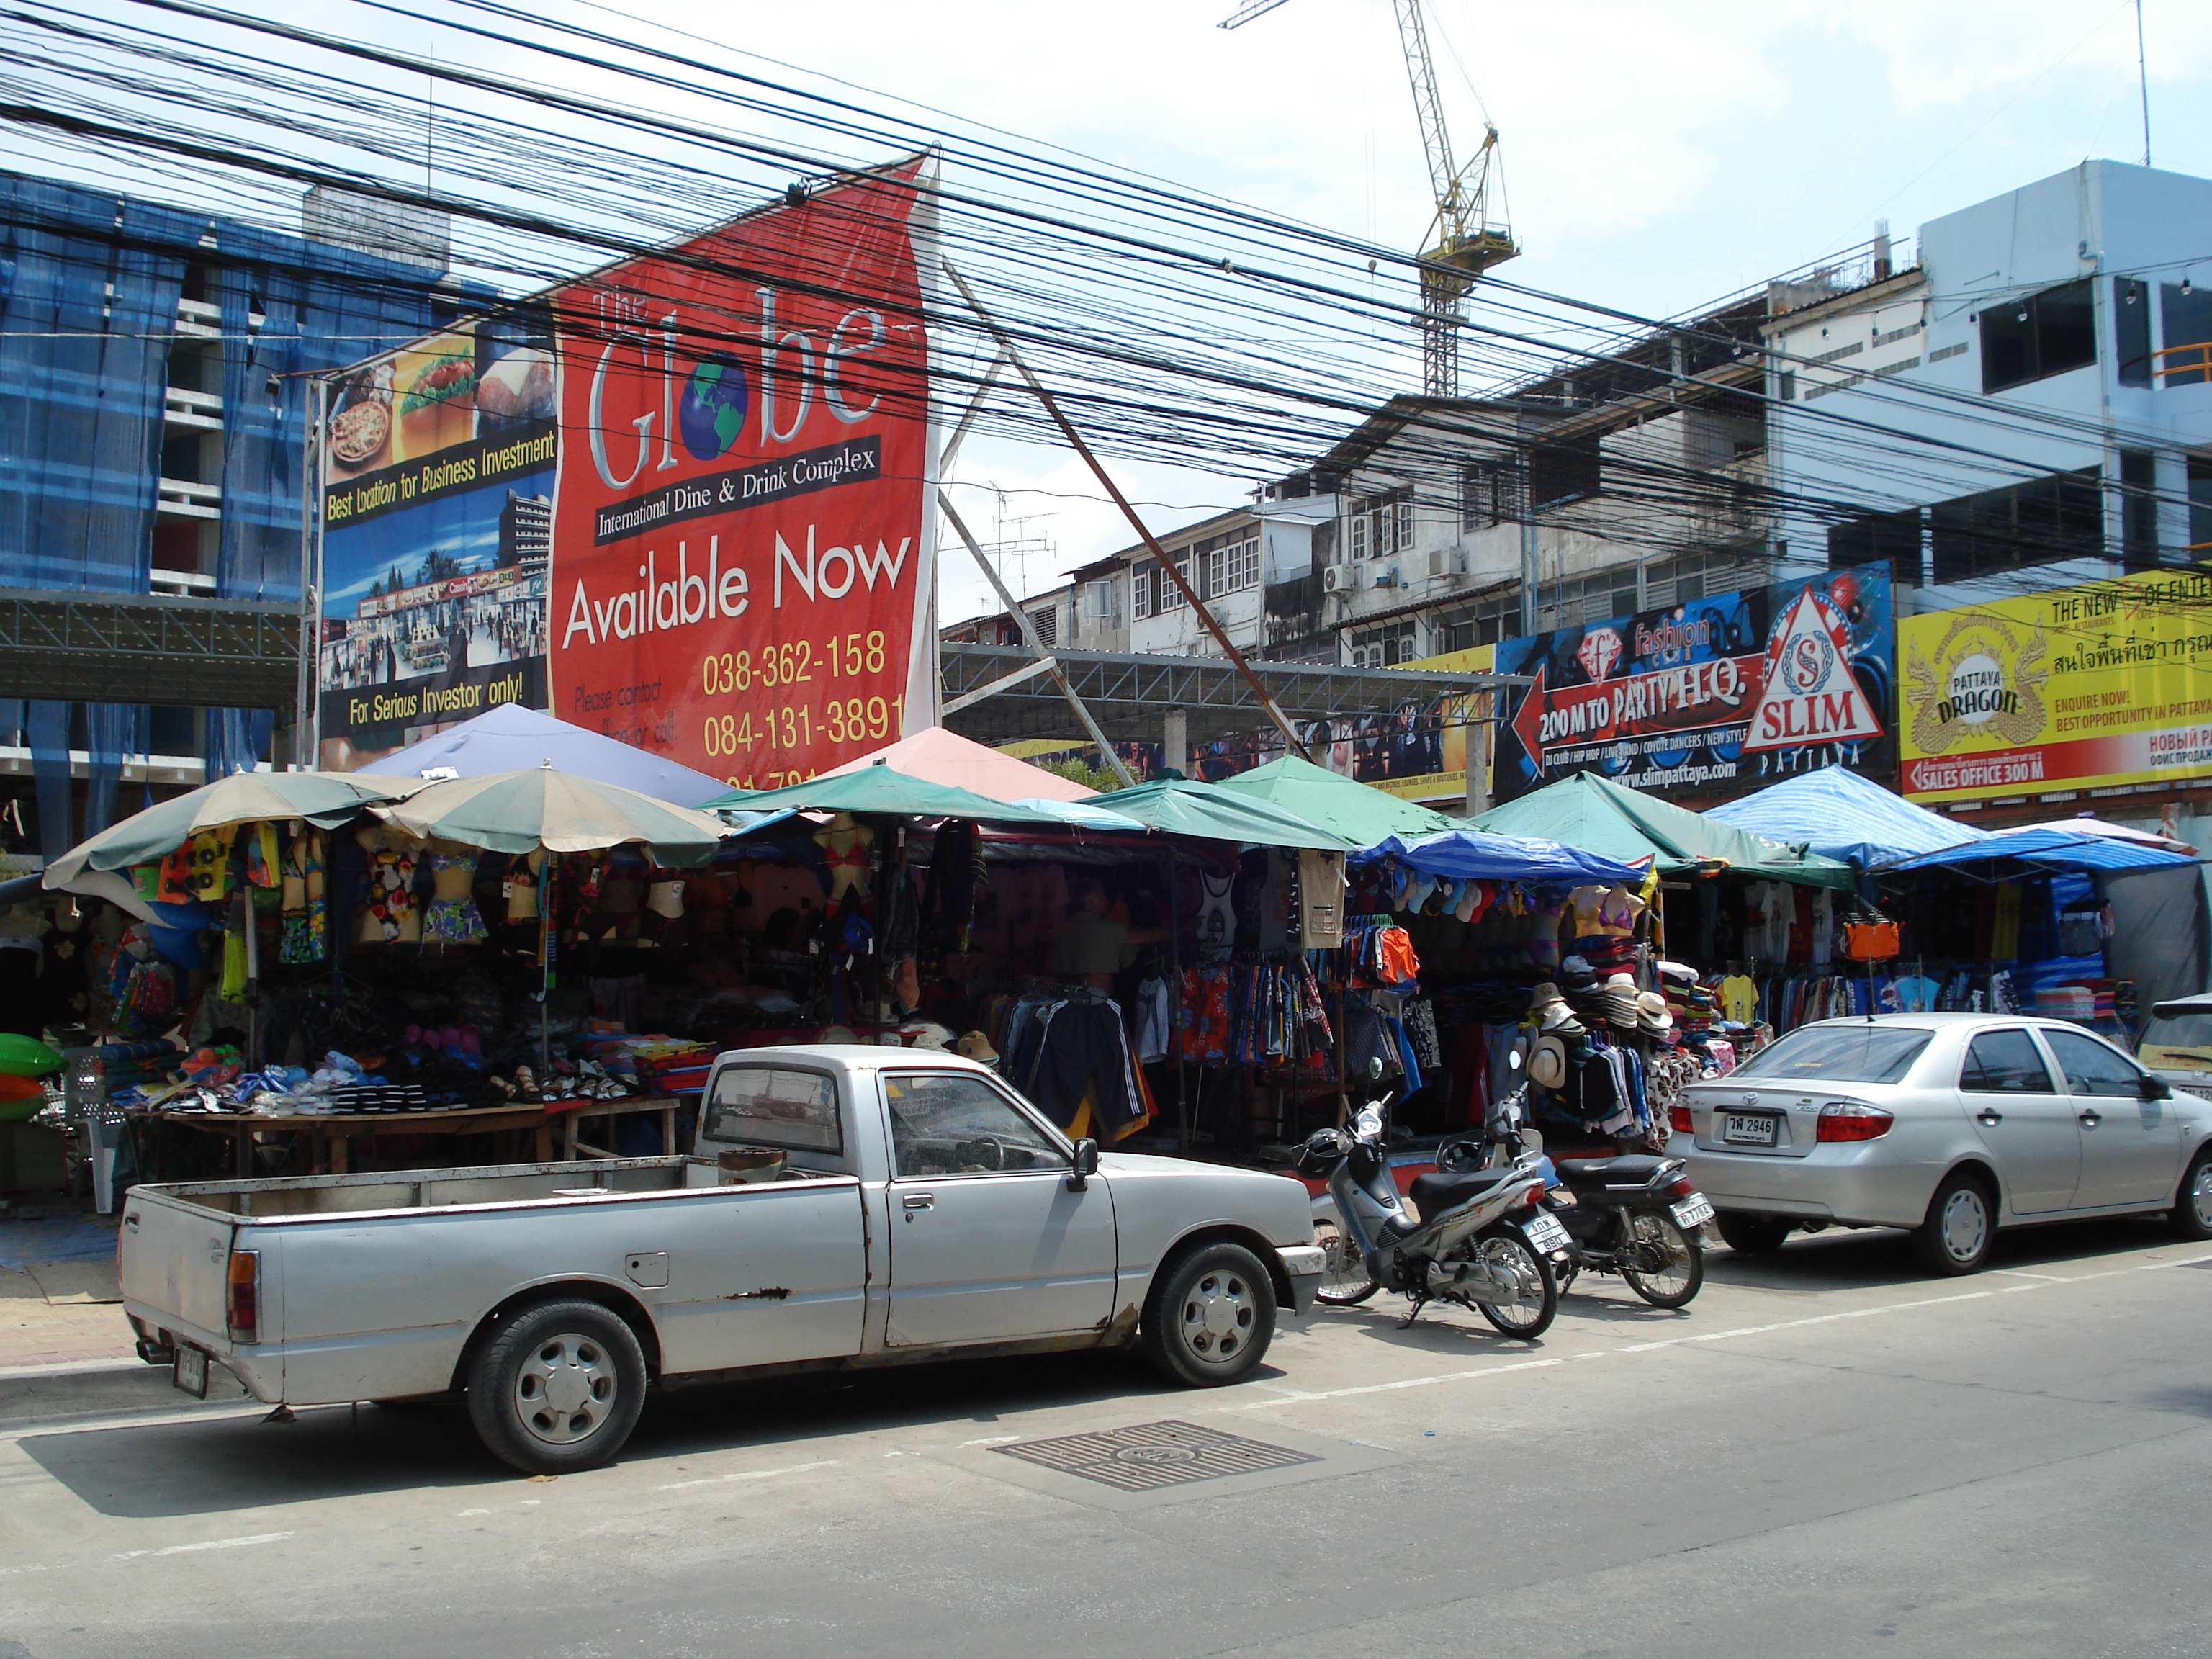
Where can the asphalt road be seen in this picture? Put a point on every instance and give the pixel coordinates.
(1827, 1454)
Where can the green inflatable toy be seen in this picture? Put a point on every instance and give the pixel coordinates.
(22, 1056)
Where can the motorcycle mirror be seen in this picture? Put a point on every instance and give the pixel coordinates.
(1513, 1059)
(1370, 1121)
(1374, 1067)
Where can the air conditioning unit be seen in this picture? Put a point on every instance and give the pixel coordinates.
(1447, 561)
(1339, 578)
(1388, 577)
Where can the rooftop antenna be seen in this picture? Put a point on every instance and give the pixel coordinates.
(2143, 81)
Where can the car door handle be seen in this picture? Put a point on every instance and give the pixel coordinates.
(1988, 1119)
(919, 1201)
(2091, 1119)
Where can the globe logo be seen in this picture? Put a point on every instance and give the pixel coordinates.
(712, 416)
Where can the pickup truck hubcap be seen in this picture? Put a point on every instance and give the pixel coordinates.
(1217, 1315)
(564, 1389)
(1966, 1224)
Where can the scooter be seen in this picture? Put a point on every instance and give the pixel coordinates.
(1637, 1215)
(1485, 1240)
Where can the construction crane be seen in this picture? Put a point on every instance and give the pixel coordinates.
(1462, 241)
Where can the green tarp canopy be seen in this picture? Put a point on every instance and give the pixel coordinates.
(1361, 813)
(1183, 806)
(1600, 816)
(879, 789)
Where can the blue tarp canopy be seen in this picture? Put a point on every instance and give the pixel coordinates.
(1476, 854)
(2052, 849)
(1841, 815)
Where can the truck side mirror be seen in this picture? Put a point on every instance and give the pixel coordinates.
(1084, 1166)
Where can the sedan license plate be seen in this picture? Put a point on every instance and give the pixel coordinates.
(189, 1370)
(1748, 1129)
(1545, 1233)
(1693, 1211)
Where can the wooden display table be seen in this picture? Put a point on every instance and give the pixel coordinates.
(572, 1146)
(337, 1129)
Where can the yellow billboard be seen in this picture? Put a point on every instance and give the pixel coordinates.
(2076, 688)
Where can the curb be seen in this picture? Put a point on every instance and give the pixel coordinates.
(33, 1395)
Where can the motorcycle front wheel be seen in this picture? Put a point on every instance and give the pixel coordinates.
(1345, 1280)
(1670, 1265)
(1531, 1312)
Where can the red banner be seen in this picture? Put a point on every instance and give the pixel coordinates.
(742, 561)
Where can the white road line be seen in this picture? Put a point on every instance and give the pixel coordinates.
(211, 1543)
(751, 1474)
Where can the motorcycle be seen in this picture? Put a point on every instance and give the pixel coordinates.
(1485, 1240)
(1637, 1215)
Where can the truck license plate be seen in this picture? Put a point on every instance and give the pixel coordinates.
(1745, 1129)
(1545, 1233)
(1693, 1211)
(189, 1370)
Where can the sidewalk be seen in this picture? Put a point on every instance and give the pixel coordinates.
(59, 1305)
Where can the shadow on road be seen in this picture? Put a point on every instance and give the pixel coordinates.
(338, 1451)
(1842, 1259)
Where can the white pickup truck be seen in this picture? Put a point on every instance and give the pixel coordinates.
(915, 1208)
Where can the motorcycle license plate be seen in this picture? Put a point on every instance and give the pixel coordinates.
(1693, 1211)
(1545, 1233)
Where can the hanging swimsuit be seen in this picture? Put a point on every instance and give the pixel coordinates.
(1217, 921)
(452, 918)
(306, 914)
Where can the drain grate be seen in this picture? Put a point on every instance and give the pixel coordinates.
(1147, 1457)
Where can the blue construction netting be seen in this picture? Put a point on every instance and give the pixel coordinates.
(89, 283)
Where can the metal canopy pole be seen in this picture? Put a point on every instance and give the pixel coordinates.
(1036, 645)
(1189, 593)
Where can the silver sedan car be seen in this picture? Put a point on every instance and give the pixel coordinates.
(1950, 1125)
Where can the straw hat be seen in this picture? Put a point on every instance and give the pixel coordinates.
(1652, 1016)
(1548, 1062)
(976, 1046)
(1621, 1009)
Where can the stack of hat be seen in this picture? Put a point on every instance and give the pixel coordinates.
(1620, 1010)
(1653, 1017)
(1556, 1026)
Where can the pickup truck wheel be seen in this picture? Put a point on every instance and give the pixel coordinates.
(1210, 1316)
(559, 1389)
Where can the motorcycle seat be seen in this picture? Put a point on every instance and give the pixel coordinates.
(1432, 1194)
(1628, 1171)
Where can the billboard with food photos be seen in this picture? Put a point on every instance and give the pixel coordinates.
(437, 515)
(729, 446)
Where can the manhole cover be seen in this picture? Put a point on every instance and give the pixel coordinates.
(1149, 1455)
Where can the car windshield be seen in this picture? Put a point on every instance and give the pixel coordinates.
(1840, 1054)
(2181, 1031)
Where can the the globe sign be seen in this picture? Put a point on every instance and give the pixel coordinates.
(712, 416)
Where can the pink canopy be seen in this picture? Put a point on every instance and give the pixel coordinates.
(944, 756)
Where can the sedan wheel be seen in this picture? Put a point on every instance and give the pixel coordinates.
(2192, 1204)
(1960, 1228)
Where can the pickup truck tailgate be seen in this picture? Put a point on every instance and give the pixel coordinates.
(173, 1260)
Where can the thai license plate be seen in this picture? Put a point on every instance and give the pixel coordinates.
(1750, 1129)
(1545, 1233)
(1693, 1211)
(189, 1370)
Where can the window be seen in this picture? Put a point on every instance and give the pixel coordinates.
(1172, 596)
(2060, 516)
(1563, 472)
(1402, 535)
(1232, 563)
(2035, 337)
(2004, 1063)
(1384, 647)
(2200, 507)
(1479, 505)
(2091, 1068)
(1892, 535)
(1355, 535)
(1840, 1054)
(774, 1106)
(1140, 591)
(1106, 597)
(944, 1124)
(1047, 623)
(1378, 526)
(2185, 318)
(2131, 329)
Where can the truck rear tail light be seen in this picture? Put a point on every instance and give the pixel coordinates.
(1847, 1120)
(242, 1306)
(1678, 1120)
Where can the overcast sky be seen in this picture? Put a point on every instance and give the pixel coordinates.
(1657, 156)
